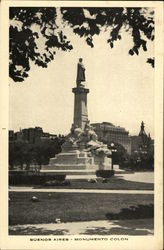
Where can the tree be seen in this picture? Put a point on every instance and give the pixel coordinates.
(45, 150)
(29, 24)
(12, 158)
(21, 152)
(119, 153)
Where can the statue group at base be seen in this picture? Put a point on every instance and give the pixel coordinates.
(87, 140)
(82, 151)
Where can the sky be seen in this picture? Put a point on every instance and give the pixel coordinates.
(121, 88)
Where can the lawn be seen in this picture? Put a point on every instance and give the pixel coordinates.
(71, 207)
(113, 183)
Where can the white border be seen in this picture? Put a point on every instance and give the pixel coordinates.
(134, 243)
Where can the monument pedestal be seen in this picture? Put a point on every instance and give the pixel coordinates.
(79, 153)
(74, 160)
(80, 107)
(78, 161)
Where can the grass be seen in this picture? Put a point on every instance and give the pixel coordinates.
(70, 207)
(124, 227)
(113, 183)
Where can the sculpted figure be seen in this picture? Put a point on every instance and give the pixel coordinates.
(80, 72)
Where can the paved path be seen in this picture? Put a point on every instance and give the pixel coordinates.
(103, 227)
(27, 189)
(146, 177)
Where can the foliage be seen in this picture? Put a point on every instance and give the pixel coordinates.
(133, 212)
(28, 25)
(151, 61)
(21, 152)
(119, 153)
(143, 158)
(57, 182)
(12, 155)
(45, 150)
(133, 19)
(27, 178)
(139, 161)
(105, 173)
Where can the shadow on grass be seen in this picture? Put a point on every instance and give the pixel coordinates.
(133, 212)
(112, 183)
(135, 220)
(117, 231)
(122, 227)
(32, 230)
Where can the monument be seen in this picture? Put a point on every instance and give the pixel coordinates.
(81, 153)
(80, 100)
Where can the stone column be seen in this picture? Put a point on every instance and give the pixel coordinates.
(80, 107)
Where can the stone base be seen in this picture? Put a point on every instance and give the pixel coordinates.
(77, 160)
(60, 167)
(68, 172)
(71, 160)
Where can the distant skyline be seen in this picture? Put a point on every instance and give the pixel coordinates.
(20, 129)
(121, 88)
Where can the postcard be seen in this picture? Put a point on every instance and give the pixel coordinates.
(81, 125)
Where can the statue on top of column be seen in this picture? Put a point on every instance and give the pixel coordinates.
(80, 73)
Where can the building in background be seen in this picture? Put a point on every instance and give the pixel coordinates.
(142, 143)
(106, 132)
(109, 133)
(31, 135)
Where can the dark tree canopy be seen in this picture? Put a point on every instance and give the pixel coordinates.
(21, 152)
(29, 24)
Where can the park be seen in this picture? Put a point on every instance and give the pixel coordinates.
(84, 185)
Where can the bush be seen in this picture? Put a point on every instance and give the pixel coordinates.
(133, 212)
(57, 183)
(104, 180)
(143, 165)
(104, 173)
(66, 183)
(22, 179)
(60, 177)
(25, 178)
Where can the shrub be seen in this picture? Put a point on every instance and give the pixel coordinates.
(22, 179)
(133, 212)
(57, 183)
(25, 178)
(66, 183)
(104, 173)
(52, 183)
(104, 180)
(60, 177)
